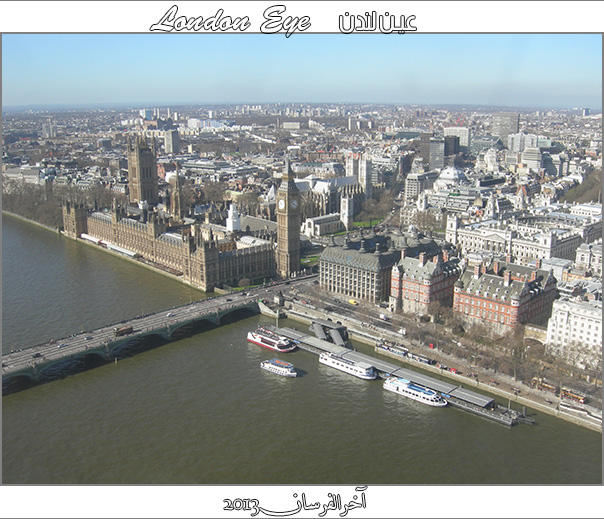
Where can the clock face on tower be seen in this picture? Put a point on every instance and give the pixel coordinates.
(281, 204)
(293, 204)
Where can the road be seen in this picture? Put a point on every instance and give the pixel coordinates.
(78, 342)
(466, 372)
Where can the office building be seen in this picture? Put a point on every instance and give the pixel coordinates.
(437, 153)
(451, 145)
(357, 274)
(416, 282)
(463, 134)
(505, 124)
(424, 146)
(172, 142)
(574, 332)
(504, 295)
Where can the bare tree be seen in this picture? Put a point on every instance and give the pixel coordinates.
(214, 191)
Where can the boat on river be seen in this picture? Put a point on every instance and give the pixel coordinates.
(268, 339)
(279, 367)
(413, 391)
(358, 369)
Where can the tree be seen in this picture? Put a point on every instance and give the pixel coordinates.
(214, 191)
(248, 203)
(426, 221)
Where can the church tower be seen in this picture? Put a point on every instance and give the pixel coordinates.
(142, 171)
(346, 212)
(288, 224)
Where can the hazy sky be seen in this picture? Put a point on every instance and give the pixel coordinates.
(506, 70)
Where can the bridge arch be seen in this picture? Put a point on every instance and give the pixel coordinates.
(18, 382)
(231, 314)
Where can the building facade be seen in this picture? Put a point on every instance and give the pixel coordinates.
(322, 225)
(505, 124)
(504, 295)
(462, 133)
(191, 253)
(437, 153)
(417, 282)
(288, 224)
(589, 257)
(417, 183)
(357, 274)
(142, 171)
(524, 243)
(172, 142)
(574, 332)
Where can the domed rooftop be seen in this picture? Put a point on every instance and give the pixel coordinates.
(452, 174)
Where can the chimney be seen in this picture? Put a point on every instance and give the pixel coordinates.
(533, 275)
(445, 255)
(507, 276)
(476, 271)
(496, 268)
(483, 268)
(537, 264)
(422, 259)
(508, 258)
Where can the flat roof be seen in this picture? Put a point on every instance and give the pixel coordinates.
(425, 380)
(471, 396)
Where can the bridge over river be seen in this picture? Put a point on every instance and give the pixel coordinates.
(58, 358)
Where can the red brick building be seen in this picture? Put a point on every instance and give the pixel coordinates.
(504, 295)
(417, 282)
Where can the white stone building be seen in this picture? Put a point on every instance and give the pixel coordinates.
(322, 225)
(574, 332)
(589, 257)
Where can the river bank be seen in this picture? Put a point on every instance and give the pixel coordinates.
(134, 261)
(502, 386)
(497, 385)
(29, 220)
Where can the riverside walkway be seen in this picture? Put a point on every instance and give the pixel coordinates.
(455, 395)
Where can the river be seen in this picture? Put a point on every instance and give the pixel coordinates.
(200, 411)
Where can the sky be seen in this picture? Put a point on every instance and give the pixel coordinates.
(541, 70)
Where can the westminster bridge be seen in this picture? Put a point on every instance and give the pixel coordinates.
(58, 358)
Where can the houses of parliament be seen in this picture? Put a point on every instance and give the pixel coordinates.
(203, 255)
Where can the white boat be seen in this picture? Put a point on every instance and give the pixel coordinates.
(280, 367)
(358, 369)
(417, 392)
(272, 341)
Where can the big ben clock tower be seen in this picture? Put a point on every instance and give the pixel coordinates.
(288, 224)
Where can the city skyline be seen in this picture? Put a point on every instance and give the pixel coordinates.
(513, 70)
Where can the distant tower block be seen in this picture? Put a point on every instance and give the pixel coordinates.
(142, 171)
(233, 222)
(346, 212)
(172, 142)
